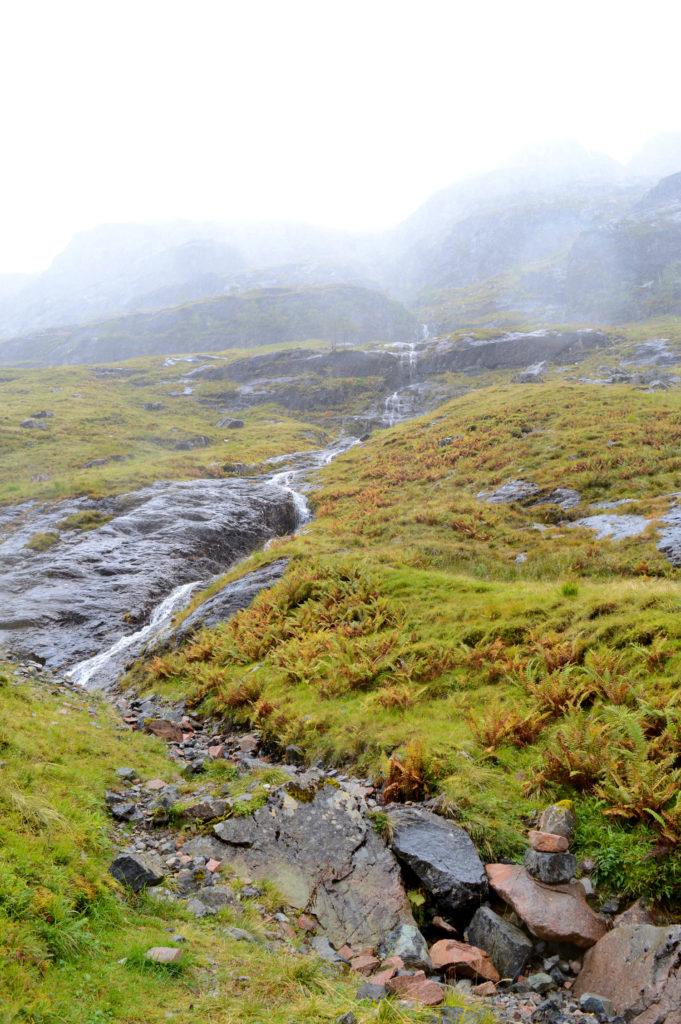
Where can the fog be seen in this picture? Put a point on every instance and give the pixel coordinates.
(344, 115)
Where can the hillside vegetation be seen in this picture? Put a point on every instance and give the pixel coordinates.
(486, 651)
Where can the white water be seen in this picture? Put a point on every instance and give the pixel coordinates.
(161, 617)
(86, 673)
(400, 405)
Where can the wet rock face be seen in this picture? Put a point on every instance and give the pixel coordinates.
(230, 600)
(638, 967)
(513, 351)
(443, 858)
(314, 838)
(78, 596)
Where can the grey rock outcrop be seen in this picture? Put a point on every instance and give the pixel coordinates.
(442, 856)
(314, 838)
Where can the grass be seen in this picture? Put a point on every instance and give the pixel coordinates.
(408, 641)
(72, 942)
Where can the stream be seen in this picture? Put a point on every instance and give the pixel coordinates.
(90, 601)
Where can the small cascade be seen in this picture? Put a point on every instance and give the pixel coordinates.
(102, 669)
(285, 480)
(397, 407)
(105, 666)
(425, 332)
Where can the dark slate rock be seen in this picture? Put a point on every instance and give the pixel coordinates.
(137, 870)
(551, 868)
(315, 839)
(506, 944)
(443, 858)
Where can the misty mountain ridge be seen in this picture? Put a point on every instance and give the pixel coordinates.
(559, 233)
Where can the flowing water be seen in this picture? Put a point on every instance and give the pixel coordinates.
(102, 669)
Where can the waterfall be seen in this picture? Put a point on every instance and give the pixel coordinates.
(107, 663)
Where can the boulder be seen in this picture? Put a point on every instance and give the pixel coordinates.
(442, 856)
(551, 868)
(638, 968)
(508, 947)
(137, 870)
(230, 423)
(316, 840)
(406, 943)
(559, 819)
(33, 424)
(462, 960)
(558, 914)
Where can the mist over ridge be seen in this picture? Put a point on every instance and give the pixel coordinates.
(547, 236)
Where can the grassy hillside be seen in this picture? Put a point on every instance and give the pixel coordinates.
(100, 418)
(72, 941)
(489, 652)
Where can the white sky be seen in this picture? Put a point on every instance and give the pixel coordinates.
(345, 114)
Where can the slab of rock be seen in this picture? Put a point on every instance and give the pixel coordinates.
(638, 968)
(416, 988)
(462, 960)
(137, 870)
(406, 945)
(33, 424)
(547, 842)
(508, 946)
(554, 914)
(365, 964)
(551, 868)
(442, 856)
(164, 955)
(559, 819)
(316, 840)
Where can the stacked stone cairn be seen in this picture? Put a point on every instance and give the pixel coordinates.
(548, 859)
